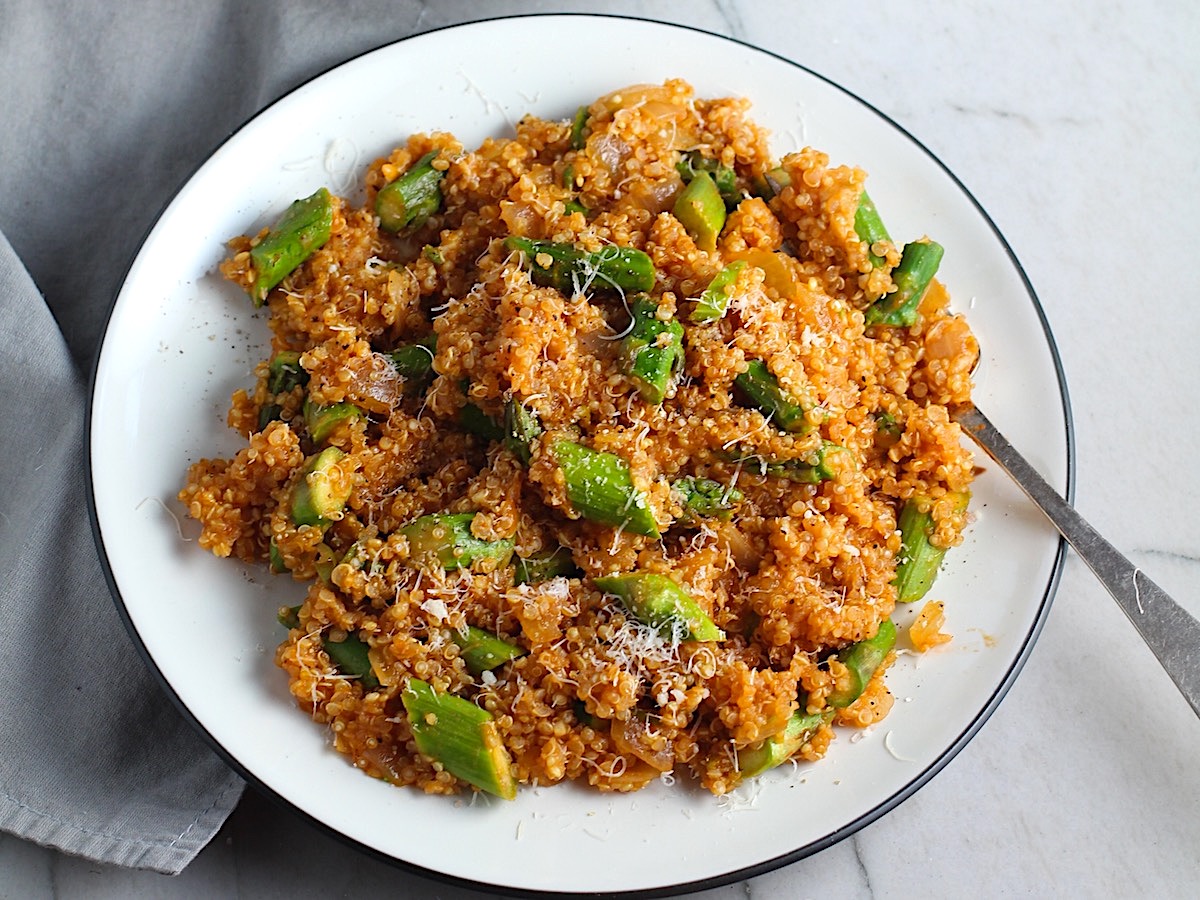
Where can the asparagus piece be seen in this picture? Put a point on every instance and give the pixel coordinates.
(268, 414)
(284, 375)
(562, 266)
(544, 566)
(918, 264)
(762, 390)
(862, 658)
(461, 736)
(887, 429)
(275, 558)
(772, 183)
(819, 465)
(694, 162)
(521, 429)
(600, 488)
(289, 616)
(316, 497)
(303, 229)
(284, 372)
(579, 129)
(482, 651)
(779, 748)
(351, 657)
(652, 351)
(415, 361)
(657, 601)
(700, 210)
(869, 226)
(413, 197)
(356, 557)
(474, 420)
(445, 539)
(703, 498)
(325, 563)
(919, 558)
(714, 300)
(322, 420)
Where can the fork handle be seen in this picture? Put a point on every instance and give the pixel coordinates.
(1166, 627)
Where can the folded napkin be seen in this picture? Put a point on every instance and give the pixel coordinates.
(94, 759)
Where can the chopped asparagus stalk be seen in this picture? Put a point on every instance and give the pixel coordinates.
(445, 539)
(483, 651)
(415, 361)
(600, 488)
(325, 562)
(275, 558)
(356, 557)
(918, 264)
(694, 162)
(574, 206)
(704, 498)
(887, 429)
(267, 414)
(474, 420)
(714, 301)
(861, 660)
(700, 210)
(772, 183)
(869, 226)
(322, 420)
(919, 558)
(822, 464)
(521, 429)
(284, 375)
(413, 197)
(572, 271)
(762, 390)
(779, 748)
(318, 496)
(657, 601)
(351, 657)
(652, 352)
(284, 372)
(289, 616)
(579, 129)
(302, 230)
(461, 736)
(544, 566)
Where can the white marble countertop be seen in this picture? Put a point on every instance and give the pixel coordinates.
(1075, 125)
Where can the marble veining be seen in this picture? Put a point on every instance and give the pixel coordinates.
(1075, 125)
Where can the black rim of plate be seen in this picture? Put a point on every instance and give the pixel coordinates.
(750, 871)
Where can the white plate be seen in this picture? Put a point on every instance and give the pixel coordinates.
(179, 341)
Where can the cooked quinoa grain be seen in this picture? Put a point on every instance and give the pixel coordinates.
(489, 477)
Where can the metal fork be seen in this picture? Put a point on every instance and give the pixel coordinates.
(1166, 627)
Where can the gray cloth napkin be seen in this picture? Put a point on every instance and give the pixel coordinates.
(105, 109)
(94, 760)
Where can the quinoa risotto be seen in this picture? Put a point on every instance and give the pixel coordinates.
(601, 452)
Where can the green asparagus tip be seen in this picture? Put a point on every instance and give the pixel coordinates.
(445, 539)
(302, 230)
(918, 264)
(461, 736)
(862, 659)
(657, 601)
(412, 198)
(601, 489)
